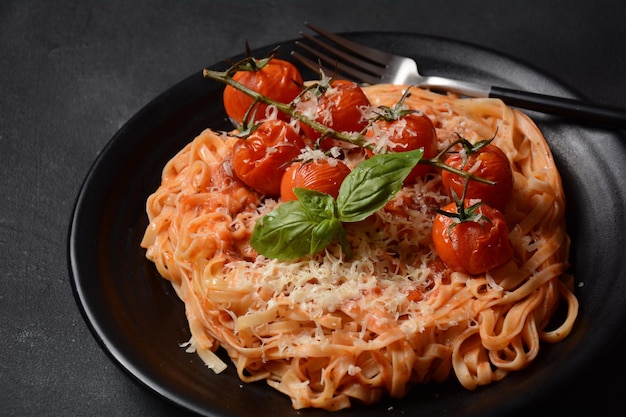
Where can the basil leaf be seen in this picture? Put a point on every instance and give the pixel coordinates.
(324, 233)
(317, 203)
(373, 183)
(309, 224)
(291, 231)
(322, 206)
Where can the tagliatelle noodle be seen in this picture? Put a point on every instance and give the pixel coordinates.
(326, 331)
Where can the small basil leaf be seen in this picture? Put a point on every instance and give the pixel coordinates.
(373, 183)
(324, 233)
(289, 232)
(317, 203)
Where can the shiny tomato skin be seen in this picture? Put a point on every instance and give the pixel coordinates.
(411, 131)
(260, 160)
(324, 175)
(340, 108)
(488, 162)
(472, 247)
(279, 80)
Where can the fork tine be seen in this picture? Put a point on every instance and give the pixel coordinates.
(358, 62)
(374, 55)
(315, 66)
(338, 66)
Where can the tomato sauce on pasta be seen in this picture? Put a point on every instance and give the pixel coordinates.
(327, 331)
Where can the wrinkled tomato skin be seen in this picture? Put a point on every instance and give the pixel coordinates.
(472, 247)
(324, 175)
(412, 131)
(261, 160)
(490, 163)
(279, 80)
(340, 108)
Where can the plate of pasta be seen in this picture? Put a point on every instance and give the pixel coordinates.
(228, 292)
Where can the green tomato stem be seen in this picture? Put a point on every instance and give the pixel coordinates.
(436, 162)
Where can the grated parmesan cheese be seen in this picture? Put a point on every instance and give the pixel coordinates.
(393, 259)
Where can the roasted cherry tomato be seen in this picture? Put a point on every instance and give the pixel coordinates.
(474, 244)
(261, 160)
(409, 131)
(277, 79)
(485, 161)
(325, 175)
(340, 107)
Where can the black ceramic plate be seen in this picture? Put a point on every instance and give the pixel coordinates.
(140, 322)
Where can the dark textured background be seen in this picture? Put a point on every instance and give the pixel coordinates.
(73, 72)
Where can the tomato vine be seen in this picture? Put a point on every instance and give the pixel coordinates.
(315, 219)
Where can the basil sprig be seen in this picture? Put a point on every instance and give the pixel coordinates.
(308, 225)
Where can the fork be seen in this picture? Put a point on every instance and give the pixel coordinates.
(372, 66)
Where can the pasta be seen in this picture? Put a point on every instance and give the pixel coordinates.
(326, 331)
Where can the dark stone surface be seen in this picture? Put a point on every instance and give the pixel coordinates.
(73, 72)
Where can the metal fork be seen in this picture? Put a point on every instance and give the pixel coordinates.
(372, 66)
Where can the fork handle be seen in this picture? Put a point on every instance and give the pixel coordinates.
(596, 114)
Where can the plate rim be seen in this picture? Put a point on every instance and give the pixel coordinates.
(77, 285)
